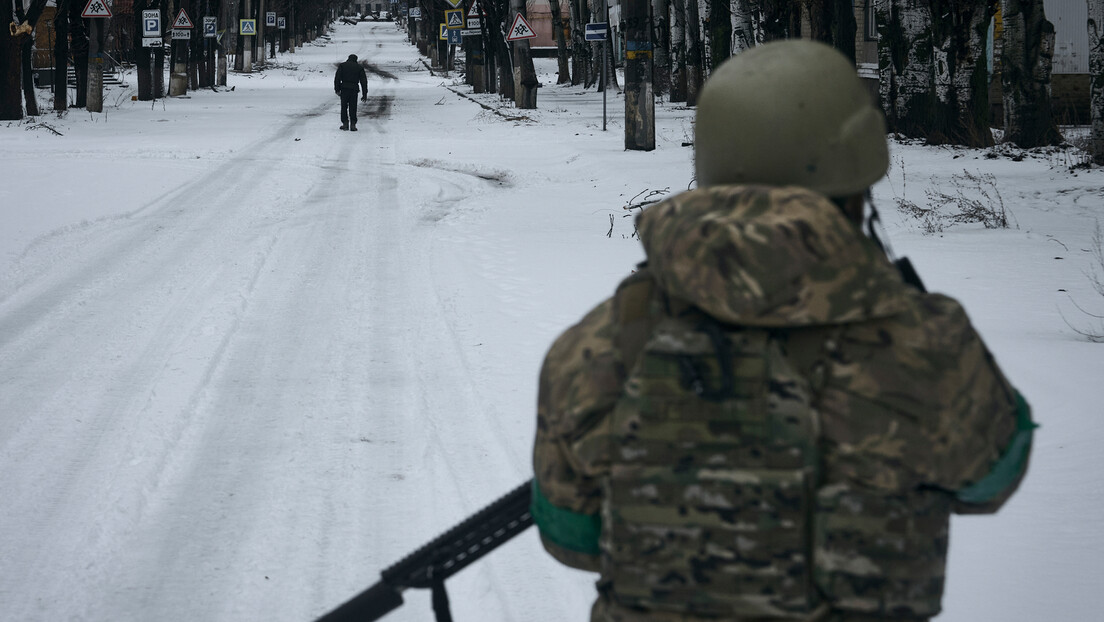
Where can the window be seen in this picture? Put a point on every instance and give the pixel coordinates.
(870, 17)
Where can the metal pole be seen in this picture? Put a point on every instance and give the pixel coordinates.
(605, 62)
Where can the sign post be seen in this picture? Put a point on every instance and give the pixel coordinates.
(596, 31)
(151, 28)
(181, 31)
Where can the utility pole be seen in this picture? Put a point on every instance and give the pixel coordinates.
(639, 101)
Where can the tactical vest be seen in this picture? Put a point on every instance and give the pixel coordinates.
(716, 504)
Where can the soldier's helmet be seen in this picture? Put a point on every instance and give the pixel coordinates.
(789, 113)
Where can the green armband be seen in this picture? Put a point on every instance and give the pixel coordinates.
(1010, 465)
(570, 530)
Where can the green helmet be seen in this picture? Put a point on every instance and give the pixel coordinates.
(789, 113)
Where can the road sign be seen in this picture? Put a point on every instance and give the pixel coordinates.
(520, 30)
(181, 33)
(281, 23)
(247, 27)
(151, 42)
(416, 12)
(96, 8)
(475, 10)
(471, 32)
(270, 19)
(151, 24)
(443, 36)
(454, 18)
(183, 21)
(454, 3)
(473, 22)
(209, 26)
(596, 31)
(454, 36)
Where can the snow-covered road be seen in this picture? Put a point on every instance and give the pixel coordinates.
(247, 360)
(238, 399)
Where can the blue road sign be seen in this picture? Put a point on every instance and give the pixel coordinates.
(596, 31)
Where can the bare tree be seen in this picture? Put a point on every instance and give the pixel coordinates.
(694, 53)
(678, 51)
(661, 44)
(1096, 69)
(720, 32)
(563, 75)
(1026, 54)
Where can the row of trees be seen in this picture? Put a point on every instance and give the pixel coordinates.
(933, 74)
(196, 62)
(932, 60)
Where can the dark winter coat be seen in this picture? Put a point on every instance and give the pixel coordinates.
(349, 76)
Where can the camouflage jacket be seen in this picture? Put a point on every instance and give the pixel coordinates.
(767, 423)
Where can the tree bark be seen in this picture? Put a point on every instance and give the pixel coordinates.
(11, 101)
(142, 54)
(933, 75)
(1096, 71)
(78, 37)
(694, 60)
(563, 75)
(580, 50)
(525, 75)
(744, 32)
(720, 32)
(1026, 54)
(639, 100)
(661, 39)
(678, 51)
(61, 56)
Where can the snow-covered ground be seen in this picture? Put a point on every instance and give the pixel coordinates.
(248, 360)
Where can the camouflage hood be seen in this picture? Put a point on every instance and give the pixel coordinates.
(762, 256)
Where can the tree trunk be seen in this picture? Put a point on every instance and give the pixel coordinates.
(1096, 71)
(563, 75)
(11, 101)
(1027, 51)
(580, 50)
(678, 51)
(525, 75)
(78, 37)
(28, 77)
(61, 56)
(960, 31)
(720, 32)
(694, 59)
(639, 101)
(934, 80)
(745, 36)
(141, 54)
(661, 40)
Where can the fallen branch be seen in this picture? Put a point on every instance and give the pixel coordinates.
(38, 125)
(491, 108)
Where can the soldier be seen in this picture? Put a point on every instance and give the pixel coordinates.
(348, 78)
(765, 421)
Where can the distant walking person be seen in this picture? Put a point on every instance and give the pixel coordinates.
(349, 76)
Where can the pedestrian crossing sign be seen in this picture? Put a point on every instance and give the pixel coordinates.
(247, 27)
(444, 32)
(454, 18)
